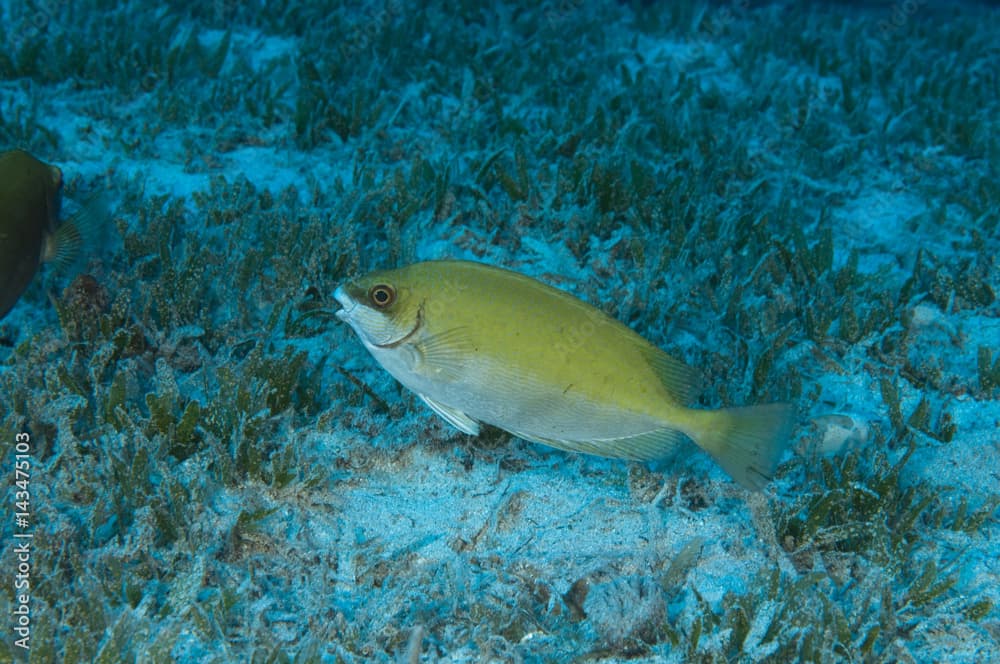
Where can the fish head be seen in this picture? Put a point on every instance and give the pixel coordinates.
(382, 308)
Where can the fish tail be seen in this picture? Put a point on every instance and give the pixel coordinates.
(747, 442)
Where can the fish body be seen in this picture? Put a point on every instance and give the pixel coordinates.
(29, 221)
(480, 344)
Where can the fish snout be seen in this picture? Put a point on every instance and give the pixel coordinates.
(347, 302)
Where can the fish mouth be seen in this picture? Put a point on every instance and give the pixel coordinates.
(349, 304)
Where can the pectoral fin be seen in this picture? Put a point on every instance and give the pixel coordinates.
(453, 416)
(445, 355)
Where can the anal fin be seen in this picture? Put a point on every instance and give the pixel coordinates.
(646, 446)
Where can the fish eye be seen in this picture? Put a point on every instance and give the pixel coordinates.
(382, 295)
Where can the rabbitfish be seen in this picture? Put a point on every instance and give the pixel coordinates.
(480, 344)
(29, 223)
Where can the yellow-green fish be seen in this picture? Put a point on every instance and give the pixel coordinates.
(30, 196)
(483, 344)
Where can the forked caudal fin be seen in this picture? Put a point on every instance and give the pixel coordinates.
(748, 442)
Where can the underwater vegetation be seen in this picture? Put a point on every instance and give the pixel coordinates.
(801, 203)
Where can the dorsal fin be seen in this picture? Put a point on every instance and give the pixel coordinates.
(682, 382)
